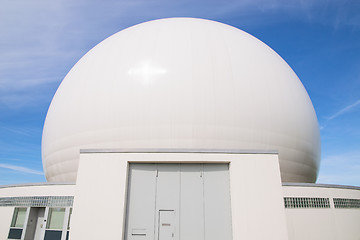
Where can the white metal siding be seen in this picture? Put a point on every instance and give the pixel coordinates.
(197, 195)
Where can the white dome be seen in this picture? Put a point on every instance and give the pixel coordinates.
(182, 83)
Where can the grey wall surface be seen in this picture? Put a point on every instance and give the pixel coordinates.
(330, 223)
(179, 201)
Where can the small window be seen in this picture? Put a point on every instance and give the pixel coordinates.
(18, 218)
(56, 218)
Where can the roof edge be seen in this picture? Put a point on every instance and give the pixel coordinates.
(179, 150)
(291, 184)
(36, 184)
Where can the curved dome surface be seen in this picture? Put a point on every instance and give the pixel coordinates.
(182, 83)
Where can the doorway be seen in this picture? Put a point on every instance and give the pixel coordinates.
(166, 224)
(178, 202)
(36, 224)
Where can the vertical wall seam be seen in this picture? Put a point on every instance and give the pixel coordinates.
(156, 183)
(203, 183)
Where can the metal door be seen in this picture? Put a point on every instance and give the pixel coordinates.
(141, 202)
(176, 201)
(191, 208)
(35, 224)
(40, 225)
(166, 224)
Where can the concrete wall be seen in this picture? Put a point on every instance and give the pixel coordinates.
(5, 221)
(255, 186)
(256, 198)
(322, 223)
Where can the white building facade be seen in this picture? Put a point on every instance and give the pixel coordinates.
(204, 195)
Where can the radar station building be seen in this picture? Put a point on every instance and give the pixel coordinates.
(180, 129)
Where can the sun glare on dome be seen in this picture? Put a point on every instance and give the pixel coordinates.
(146, 72)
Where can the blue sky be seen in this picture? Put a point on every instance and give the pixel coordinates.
(41, 40)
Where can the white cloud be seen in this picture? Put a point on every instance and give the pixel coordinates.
(21, 169)
(340, 112)
(16, 130)
(344, 110)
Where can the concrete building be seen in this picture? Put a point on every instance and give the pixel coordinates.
(186, 129)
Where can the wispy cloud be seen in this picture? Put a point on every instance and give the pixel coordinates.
(21, 169)
(344, 110)
(341, 112)
(20, 131)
